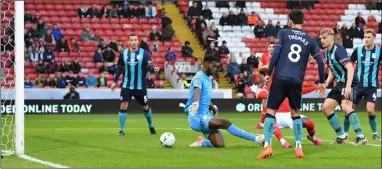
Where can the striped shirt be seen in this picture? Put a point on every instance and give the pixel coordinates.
(135, 66)
(336, 59)
(368, 62)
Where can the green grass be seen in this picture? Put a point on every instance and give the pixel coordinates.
(92, 141)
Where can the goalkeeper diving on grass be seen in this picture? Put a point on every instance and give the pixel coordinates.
(198, 109)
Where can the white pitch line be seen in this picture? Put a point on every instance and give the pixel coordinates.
(47, 163)
(187, 129)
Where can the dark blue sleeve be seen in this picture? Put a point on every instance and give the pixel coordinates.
(276, 52)
(353, 56)
(342, 56)
(316, 54)
(120, 66)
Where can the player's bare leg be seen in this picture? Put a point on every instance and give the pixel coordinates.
(328, 110)
(215, 139)
(148, 114)
(280, 137)
(122, 118)
(297, 130)
(269, 124)
(347, 107)
(311, 129)
(370, 108)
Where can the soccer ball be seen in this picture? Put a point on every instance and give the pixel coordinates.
(167, 140)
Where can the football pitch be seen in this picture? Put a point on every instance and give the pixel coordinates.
(91, 141)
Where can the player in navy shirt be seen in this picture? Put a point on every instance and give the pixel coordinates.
(343, 93)
(134, 62)
(368, 59)
(288, 64)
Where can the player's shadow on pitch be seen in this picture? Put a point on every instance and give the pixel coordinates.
(72, 143)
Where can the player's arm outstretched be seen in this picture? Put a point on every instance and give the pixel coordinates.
(120, 66)
(316, 53)
(344, 60)
(275, 56)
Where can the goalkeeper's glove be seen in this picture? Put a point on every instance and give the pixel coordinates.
(215, 110)
(193, 108)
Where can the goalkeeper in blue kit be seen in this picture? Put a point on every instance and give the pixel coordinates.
(198, 109)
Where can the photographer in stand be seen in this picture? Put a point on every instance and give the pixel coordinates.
(72, 94)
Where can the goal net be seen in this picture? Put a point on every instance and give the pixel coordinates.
(12, 77)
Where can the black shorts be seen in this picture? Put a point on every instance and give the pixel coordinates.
(368, 93)
(139, 95)
(338, 93)
(281, 89)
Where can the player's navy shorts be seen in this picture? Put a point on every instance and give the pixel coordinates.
(281, 89)
(200, 122)
(139, 95)
(368, 93)
(338, 93)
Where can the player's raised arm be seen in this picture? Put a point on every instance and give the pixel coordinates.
(345, 61)
(120, 66)
(276, 52)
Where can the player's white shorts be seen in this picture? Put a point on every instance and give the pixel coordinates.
(284, 120)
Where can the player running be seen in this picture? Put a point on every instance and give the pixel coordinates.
(284, 119)
(199, 116)
(368, 58)
(344, 91)
(289, 59)
(134, 62)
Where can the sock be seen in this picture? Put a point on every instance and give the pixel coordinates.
(262, 117)
(373, 124)
(346, 124)
(297, 130)
(232, 129)
(148, 115)
(207, 143)
(354, 121)
(335, 123)
(309, 125)
(277, 132)
(122, 119)
(282, 141)
(269, 123)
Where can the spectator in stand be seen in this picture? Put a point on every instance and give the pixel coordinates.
(151, 11)
(40, 81)
(40, 68)
(259, 30)
(72, 94)
(193, 12)
(121, 12)
(60, 80)
(187, 50)
(86, 35)
(168, 33)
(28, 17)
(352, 31)
(293, 4)
(71, 80)
(102, 81)
(223, 49)
(253, 19)
(41, 28)
(48, 55)
(241, 83)
(224, 20)
(34, 32)
(98, 56)
(91, 81)
(161, 13)
(49, 38)
(154, 34)
(62, 45)
(307, 4)
(347, 42)
(108, 55)
(244, 67)
(379, 7)
(149, 81)
(50, 82)
(240, 4)
(113, 12)
(222, 4)
(232, 18)
(199, 22)
(277, 29)
(113, 68)
(73, 45)
(65, 66)
(253, 61)
(211, 37)
(80, 80)
(359, 31)
(232, 69)
(212, 50)
(359, 20)
(104, 67)
(214, 29)
(120, 46)
(76, 67)
(56, 32)
(28, 84)
(155, 47)
(170, 56)
(269, 29)
(207, 13)
(83, 11)
(38, 43)
(242, 18)
(265, 59)
(28, 39)
(166, 21)
(52, 67)
(131, 12)
(144, 44)
(102, 45)
(113, 45)
(201, 32)
(141, 12)
(93, 12)
(204, 36)
(184, 80)
(36, 55)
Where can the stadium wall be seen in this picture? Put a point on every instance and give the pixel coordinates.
(158, 105)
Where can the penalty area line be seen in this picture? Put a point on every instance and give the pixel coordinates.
(47, 163)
